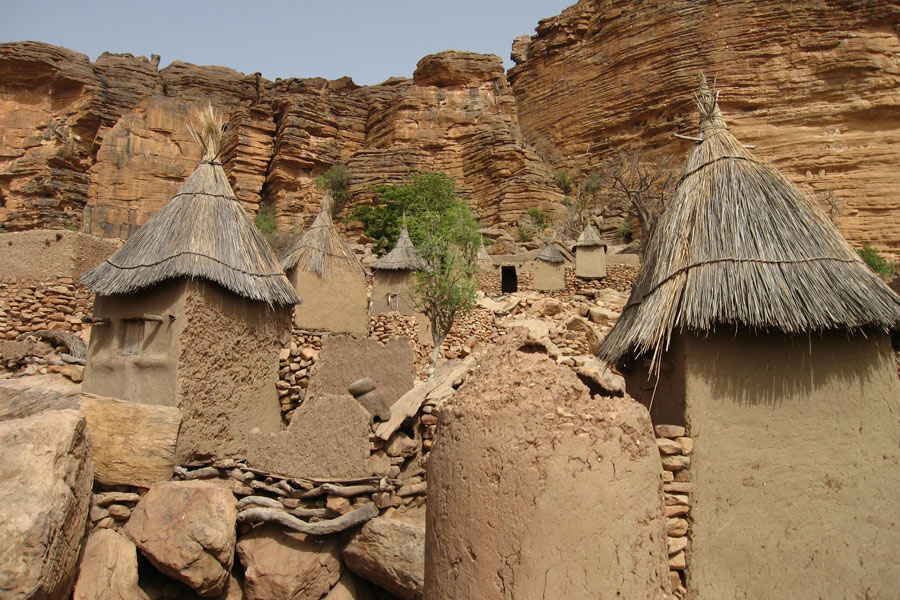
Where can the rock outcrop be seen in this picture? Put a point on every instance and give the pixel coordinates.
(108, 139)
(391, 554)
(108, 569)
(812, 86)
(45, 495)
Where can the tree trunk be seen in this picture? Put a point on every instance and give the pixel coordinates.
(436, 351)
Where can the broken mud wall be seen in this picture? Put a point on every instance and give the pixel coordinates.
(518, 441)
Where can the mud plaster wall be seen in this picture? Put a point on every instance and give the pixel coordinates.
(393, 291)
(228, 366)
(796, 466)
(338, 302)
(45, 254)
(535, 487)
(590, 261)
(548, 276)
(148, 374)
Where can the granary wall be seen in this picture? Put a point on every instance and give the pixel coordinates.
(590, 261)
(131, 358)
(393, 291)
(227, 374)
(548, 277)
(797, 454)
(337, 302)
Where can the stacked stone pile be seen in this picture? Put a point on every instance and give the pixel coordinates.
(294, 363)
(675, 450)
(58, 304)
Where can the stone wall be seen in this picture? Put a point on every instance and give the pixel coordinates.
(675, 450)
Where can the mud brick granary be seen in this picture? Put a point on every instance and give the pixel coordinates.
(757, 326)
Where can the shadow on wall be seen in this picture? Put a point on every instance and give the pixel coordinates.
(775, 368)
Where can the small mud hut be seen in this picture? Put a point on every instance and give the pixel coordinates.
(590, 254)
(394, 276)
(757, 326)
(191, 312)
(549, 269)
(326, 271)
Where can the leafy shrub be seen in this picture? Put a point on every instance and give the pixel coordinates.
(265, 219)
(538, 217)
(876, 262)
(337, 181)
(625, 231)
(564, 180)
(594, 182)
(567, 202)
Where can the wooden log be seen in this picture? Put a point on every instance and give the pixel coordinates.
(202, 473)
(260, 501)
(348, 491)
(353, 518)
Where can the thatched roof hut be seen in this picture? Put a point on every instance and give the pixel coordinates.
(739, 245)
(403, 256)
(203, 232)
(590, 254)
(551, 254)
(326, 271)
(321, 248)
(484, 259)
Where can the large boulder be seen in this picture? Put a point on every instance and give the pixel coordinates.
(133, 444)
(45, 495)
(283, 564)
(391, 554)
(108, 568)
(187, 530)
(349, 588)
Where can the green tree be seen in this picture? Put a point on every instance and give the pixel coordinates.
(444, 231)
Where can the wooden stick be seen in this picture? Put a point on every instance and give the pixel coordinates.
(348, 491)
(346, 521)
(260, 501)
(203, 473)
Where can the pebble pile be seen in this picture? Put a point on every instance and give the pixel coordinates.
(675, 450)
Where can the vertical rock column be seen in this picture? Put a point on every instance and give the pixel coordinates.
(537, 490)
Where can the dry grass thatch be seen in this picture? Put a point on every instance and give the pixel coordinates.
(202, 232)
(739, 245)
(483, 257)
(321, 249)
(551, 254)
(403, 256)
(589, 238)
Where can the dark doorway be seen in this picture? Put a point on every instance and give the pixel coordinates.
(509, 281)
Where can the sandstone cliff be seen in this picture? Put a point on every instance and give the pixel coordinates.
(104, 145)
(813, 85)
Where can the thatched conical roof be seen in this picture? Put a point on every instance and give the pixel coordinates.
(321, 248)
(403, 256)
(589, 238)
(202, 232)
(739, 245)
(551, 254)
(483, 257)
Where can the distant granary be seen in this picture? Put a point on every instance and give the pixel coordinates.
(394, 278)
(329, 276)
(590, 254)
(191, 312)
(756, 325)
(549, 269)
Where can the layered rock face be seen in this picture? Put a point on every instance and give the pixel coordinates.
(108, 140)
(814, 86)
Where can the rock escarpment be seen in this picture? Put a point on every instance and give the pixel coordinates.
(813, 86)
(108, 140)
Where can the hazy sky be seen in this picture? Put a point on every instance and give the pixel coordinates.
(367, 40)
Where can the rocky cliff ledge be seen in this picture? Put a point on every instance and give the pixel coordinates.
(814, 86)
(106, 141)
